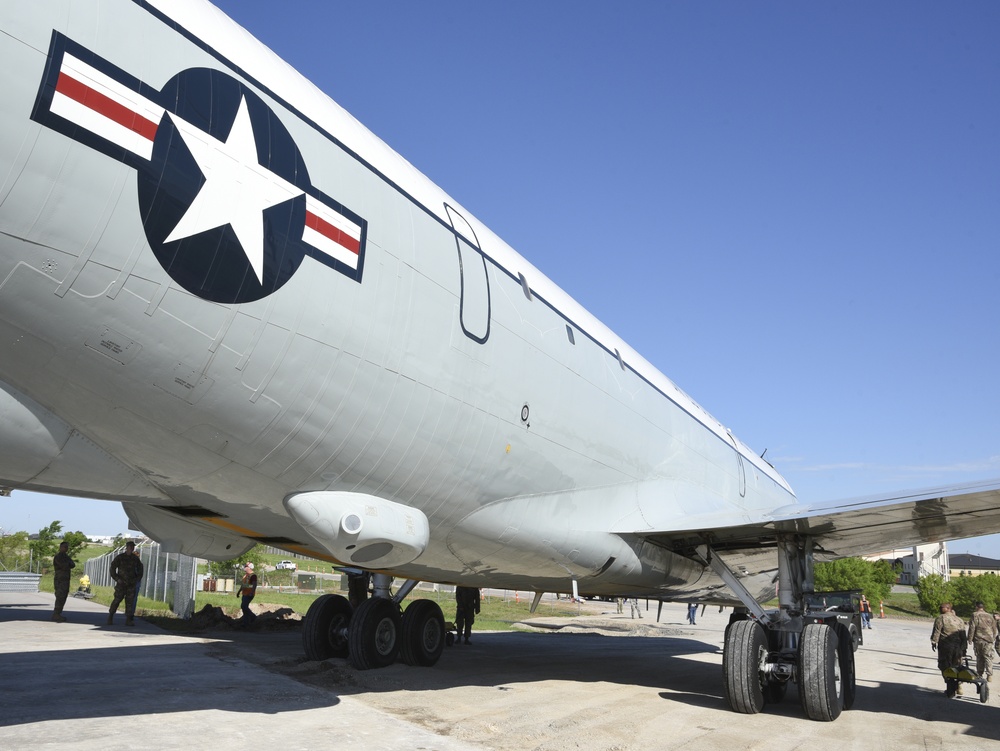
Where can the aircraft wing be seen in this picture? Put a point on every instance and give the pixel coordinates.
(858, 526)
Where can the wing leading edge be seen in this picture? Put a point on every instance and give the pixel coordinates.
(857, 526)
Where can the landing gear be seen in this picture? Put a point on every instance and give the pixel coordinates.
(324, 631)
(423, 633)
(846, 647)
(375, 633)
(373, 638)
(744, 658)
(820, 678)
(764, 650)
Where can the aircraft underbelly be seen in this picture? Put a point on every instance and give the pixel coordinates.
(223, 376)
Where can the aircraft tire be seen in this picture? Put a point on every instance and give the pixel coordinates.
(374, 636)
(819, 673)
(423, 633)
(743, 655)
(324, 627)
(846, 646)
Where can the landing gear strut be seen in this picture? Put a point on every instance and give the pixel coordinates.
(769, 649)
(376, 632)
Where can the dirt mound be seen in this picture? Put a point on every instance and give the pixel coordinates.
(213, 618)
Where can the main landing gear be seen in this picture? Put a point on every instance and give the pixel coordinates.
(376, 632)
(766, 650)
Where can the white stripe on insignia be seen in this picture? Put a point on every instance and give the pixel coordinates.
(99, 123)
(344, 249)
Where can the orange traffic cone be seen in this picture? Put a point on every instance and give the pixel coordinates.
(881, 609)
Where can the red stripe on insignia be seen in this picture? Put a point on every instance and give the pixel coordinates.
(105, 106)
(337, 235)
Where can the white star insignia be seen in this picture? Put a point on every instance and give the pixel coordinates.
(237, 188)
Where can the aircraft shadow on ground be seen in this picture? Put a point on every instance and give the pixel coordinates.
(887, 698)
(664, 663)
(131, 676)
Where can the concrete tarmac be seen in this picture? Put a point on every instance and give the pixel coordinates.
(602, 681)
(84, 685)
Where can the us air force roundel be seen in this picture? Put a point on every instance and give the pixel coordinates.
(224, 194)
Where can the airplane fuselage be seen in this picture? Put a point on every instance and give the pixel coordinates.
(251, 298)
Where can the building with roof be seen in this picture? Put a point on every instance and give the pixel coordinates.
(966, 564)
(918, 561)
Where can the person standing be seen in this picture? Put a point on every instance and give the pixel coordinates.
(138, 582)
(63, 565)
(126, 571)
(692, 612)
(466, 609)
(983, 634)
(949, 641)
(633, 603)
(866, 613)
(247, 591)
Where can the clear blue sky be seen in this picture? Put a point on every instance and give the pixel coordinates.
(791, 209)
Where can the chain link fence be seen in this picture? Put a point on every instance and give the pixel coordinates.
(167, 577)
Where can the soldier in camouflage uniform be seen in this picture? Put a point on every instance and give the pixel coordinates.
(467, 606)
(948, 639)
(63, 565)
(982, 634)
(126, 570)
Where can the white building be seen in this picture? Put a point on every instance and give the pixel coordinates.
(918, 561)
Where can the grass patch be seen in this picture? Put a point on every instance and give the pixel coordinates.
(904, 604)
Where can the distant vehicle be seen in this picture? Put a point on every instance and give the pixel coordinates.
(289, 565)
(845, 605)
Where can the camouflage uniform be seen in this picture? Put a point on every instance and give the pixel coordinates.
(126, 570)
(982, 634)
(949, 639)
(63, 565)
(467, 600)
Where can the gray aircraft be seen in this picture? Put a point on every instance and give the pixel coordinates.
(228, 305)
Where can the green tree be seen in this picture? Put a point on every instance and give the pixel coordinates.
(844, 573)
(932, 590)
(874, 578)
(14, 551)
(965, 591)
(76, 541)
(47, 542)
(234, 566)
(883, 576)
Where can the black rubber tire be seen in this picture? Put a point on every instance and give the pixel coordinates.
(423, 633)
(951, 687)
(819, 669)
(984, 692)
(323, 628)
(848, 675)
(855, 637)
(744, 651)
(374, 636)
(449, 639)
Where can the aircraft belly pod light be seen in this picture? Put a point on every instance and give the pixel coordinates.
(227, 304)
(362, 530)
